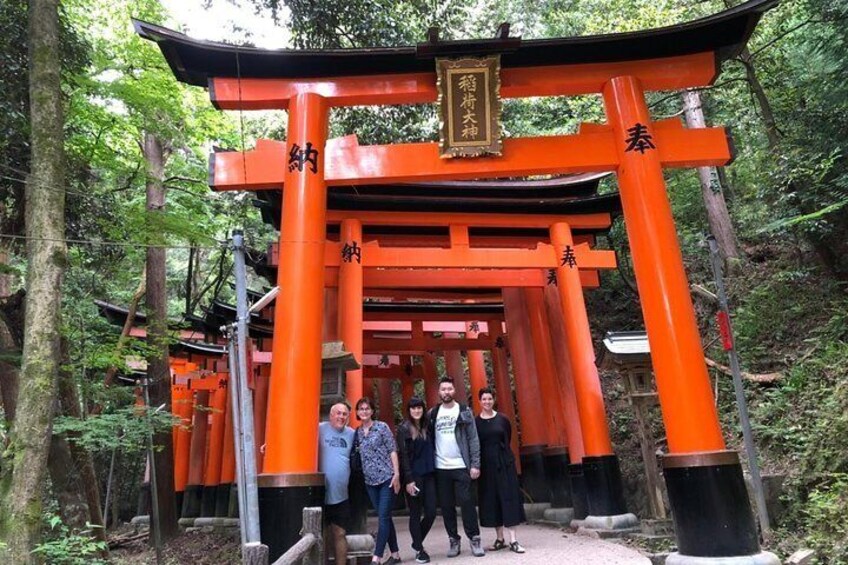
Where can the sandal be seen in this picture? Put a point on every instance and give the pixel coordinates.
(497, 546)
(515, 547)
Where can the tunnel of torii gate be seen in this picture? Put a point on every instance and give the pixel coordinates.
(310, 172)
(476, 302)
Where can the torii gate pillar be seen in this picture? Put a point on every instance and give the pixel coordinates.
(530, 408)
(601, 472)
(290, 480)
(350, 310)
(706, 490)
(556, 452)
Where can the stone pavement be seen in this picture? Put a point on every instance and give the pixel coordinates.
(544, 544)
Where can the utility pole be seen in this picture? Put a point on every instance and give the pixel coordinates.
(242, 407)
(726, 331)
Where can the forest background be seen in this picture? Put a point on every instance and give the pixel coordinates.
(131, 194)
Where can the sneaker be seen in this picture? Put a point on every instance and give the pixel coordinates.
(515, 547)
(454, 548)
(477, 547)
(422, 557)
(392, 560)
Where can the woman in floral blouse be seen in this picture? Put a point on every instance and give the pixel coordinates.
(380, 466)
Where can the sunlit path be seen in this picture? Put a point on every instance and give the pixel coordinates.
(543, 544)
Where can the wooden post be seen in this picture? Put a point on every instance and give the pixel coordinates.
(641, 399)
(312, 524)
(255, 553)
(310, 548)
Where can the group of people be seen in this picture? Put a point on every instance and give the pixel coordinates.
(434, 458)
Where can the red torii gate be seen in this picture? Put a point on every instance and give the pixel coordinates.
(706, 489)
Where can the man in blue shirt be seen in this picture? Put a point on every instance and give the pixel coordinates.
(335, 441)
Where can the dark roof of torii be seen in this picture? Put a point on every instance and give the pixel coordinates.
(572, 194)
(195, 61)
(117, 315)
(434, 307)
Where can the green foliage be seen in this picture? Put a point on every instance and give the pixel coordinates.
(65, 547)
(766, 318)
(787, 198)
(126, 429)
(825, 514)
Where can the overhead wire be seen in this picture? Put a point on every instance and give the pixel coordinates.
(221, 244)
(69, 191)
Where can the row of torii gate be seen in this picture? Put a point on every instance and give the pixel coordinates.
(375, 235)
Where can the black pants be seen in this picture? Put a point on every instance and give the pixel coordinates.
(419, 526)
(455, 488)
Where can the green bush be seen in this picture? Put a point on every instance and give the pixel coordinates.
(827, 525)
(65, 547)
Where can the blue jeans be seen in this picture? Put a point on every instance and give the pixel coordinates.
(383, 499)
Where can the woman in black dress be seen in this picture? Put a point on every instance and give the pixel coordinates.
(499, 495)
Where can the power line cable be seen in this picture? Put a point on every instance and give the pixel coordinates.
(66, 190)
(221, 244)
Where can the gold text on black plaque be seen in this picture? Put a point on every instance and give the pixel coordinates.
(470, 107)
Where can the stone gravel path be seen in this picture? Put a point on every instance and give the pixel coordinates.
(544, 545)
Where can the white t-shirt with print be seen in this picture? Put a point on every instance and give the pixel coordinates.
(448, 455)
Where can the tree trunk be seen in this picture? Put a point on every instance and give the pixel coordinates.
(25, 459)
(9, 348)
(711, 189)
(158, 370)
(89, 485)
(769, 121)
(132, 308)
(189, 283)
(73, 508)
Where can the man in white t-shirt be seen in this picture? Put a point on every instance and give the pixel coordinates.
(457, 464)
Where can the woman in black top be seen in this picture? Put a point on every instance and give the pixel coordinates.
(499, 494)
(417, 465)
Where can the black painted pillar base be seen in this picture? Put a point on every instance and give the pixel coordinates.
(533, 479)
(178, 499)
(207, 501)
(556, 472)
(282, 499)
(191, 501)
(709, 504)
(604, 491)
(222, 500)
(233, 509)
(578, 491)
